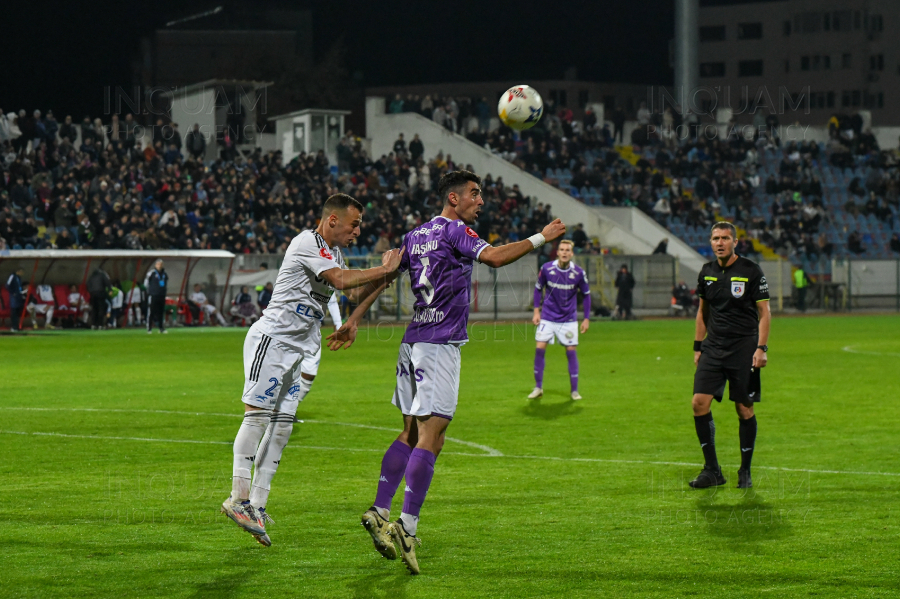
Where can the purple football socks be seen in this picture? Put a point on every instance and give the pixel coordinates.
(573, 369)
(539, 367)
(393, 465)
(419, 472)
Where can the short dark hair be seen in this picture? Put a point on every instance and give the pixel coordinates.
(453, 180)
(339, 202)
(724, 225)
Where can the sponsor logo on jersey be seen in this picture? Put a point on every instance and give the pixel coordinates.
(320, 297)
(426, 230)
(737, 288)
(308, 312)
(471, 233)
(559, 285)
(326, 254)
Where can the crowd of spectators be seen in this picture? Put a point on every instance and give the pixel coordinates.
(98, 185)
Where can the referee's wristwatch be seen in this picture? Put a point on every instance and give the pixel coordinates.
(765, 348)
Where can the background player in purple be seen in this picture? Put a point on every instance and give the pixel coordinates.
(563, 280)
(439, 257)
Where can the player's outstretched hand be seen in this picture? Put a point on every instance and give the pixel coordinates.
(554, 230)
(342, 337)
(391, 259)
(584, 325)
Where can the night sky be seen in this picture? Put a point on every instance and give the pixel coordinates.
(63, 58)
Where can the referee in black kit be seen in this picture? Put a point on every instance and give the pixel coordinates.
(730, 345)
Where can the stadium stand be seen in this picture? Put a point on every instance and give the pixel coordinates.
(109, 192)
(808, 202)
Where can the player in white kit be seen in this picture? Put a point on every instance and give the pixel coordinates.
(283, 340)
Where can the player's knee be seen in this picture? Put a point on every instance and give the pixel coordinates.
(700, 404)
(744, 411)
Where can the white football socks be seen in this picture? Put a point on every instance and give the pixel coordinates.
(268, 457)
(410, 523)
(245, 445)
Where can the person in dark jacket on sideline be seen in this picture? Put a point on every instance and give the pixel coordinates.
(16, 289)
(625, 285)
(98, 286)
(156, 284)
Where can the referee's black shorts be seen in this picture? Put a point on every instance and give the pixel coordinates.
(727, 362)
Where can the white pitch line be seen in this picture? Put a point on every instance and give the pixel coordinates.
(488, 450)
(849, 349)
(473, 455)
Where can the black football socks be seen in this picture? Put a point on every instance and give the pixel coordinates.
(747, 433)
(706, 433)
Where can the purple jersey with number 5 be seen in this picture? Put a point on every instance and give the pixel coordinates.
(439, 257)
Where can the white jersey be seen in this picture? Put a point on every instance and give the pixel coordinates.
(45, 294)
(299, 301)
(116, 300)
(198, 297)
(75, 300)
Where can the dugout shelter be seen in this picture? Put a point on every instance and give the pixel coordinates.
(63, 268)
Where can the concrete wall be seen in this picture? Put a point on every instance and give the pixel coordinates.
(197, 108)
(651, 232)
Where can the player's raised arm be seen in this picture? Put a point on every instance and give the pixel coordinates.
(340, 278)
(340, 225)
(507, 254)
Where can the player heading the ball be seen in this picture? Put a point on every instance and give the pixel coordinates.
(439, 258)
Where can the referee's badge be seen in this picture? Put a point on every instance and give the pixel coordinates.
(737, 288)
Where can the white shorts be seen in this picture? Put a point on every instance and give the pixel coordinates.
(272, 370)
(311, 366)
(428, 379)
(565, 332)
(40, 308)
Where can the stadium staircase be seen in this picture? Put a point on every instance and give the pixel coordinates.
(626, 230)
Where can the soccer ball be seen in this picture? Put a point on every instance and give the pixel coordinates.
(520, 107)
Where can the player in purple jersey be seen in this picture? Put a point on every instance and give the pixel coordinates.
(558, 317)
(439, 257)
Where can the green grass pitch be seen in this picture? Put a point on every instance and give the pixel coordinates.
(117, 453)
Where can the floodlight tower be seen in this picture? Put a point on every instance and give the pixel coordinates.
(687, 39)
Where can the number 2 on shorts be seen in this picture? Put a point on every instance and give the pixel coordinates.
(269, 391)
